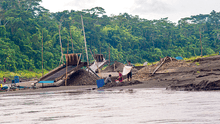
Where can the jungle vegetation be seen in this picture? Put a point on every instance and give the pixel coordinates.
(23, 23)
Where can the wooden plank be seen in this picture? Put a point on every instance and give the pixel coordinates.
(51, 72)
(159, 66)
(73, 70)
(93, 72)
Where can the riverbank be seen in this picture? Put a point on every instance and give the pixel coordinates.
(197, 74)
(200, 74)
(24, 75)
(144, 84)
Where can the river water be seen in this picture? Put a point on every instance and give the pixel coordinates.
(151, 106)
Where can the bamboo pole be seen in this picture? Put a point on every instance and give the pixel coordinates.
(67, 59)
(61, 59)
(85, 41)
(42, 56)
(72, 46)
(71, 40)
(109, 55)
(82, 55)
(92, 54)
(200, 40)
(79, 59)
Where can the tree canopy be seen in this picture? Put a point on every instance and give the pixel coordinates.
(24, 22)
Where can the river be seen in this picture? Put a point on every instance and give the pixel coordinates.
(151, 106)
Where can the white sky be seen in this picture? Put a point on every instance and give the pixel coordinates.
(148, 9)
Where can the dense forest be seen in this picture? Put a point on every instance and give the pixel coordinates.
(24, 23)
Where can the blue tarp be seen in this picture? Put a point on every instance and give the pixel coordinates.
(179, 58)
(46, 82)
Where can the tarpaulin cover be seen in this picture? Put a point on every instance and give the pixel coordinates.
(126, 70)
(179, 58)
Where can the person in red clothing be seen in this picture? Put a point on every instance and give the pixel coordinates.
(120, 79)
(4, 79)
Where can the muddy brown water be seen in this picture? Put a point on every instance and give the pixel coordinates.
(135, 106)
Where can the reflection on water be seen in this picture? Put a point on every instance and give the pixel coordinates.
(125, 106)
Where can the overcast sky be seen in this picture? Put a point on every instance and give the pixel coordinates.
(148, 9)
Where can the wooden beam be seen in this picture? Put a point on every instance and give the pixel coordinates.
(73, 70)
(92, 71)
(159, 66)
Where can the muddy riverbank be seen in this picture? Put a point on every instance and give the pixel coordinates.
(197, 75)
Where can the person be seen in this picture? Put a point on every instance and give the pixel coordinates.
(4, 79)
(129, 75)
(108, 79)
(120, 78)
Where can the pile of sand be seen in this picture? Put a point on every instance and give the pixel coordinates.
(168, 66)
(82, 77)
(117, 66)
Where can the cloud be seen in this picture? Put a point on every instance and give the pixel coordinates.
(151, 6)
(148, 9)
(80, 4)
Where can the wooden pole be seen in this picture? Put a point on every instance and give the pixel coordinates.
(42, 56)
(72, 46)
(109, 55)
(95, 60)
(85, 41)
(67, 59)
(79, 59)
(200, 40)
(82, 55)
(92, 54)
(71, 40)
(61, 59)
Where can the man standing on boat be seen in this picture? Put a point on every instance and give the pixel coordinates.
(129, 75)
